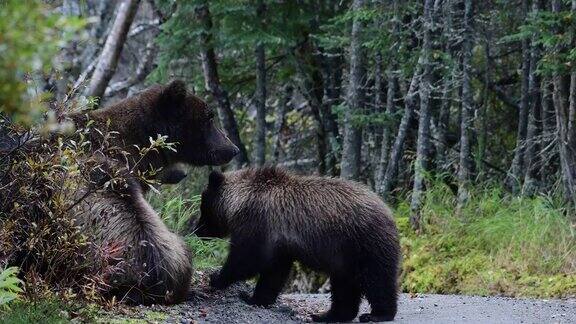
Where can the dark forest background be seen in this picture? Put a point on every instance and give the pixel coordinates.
(461, 114)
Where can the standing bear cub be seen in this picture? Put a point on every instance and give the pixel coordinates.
(335, 226)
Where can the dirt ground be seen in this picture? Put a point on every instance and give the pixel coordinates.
(225, 307)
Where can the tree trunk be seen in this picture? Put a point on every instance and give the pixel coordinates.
(483, 122)
(533, 137)
(351, 151)
(514, 179)
(108, 60)
(144, 68)
(398, 147)
(447, 90)
(465, 165)
(572, 109)
(312, 87)
(548, 133)
(566, 144)
(212, 84)
(280, 120)
(386, 130)
(423, 142)
(260, 142)
(376, 130)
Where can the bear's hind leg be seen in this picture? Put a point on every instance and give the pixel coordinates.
(380, 287)
(270, 283)
(346, 297)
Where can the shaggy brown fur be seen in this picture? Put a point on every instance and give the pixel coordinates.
(155, 266)
(330, 225)
(162, 110)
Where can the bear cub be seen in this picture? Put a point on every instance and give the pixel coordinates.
(331, 225)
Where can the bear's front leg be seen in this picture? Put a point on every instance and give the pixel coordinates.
(244, 262)
(270, 283)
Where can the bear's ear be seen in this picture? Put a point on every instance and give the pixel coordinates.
(216, 179)
(173, 95)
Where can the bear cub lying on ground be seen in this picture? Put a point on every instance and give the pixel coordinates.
(274, 218)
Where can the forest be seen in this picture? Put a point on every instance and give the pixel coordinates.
(459, 114)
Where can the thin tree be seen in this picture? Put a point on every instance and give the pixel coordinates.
(423, 142)
(108, 60)
(351, 152)
(465, 165)
(280, 121)
(260, 143)
(447, 90)
(398, 146)
(533, 136)
(213, 84)
(566, 144)
(518, 163)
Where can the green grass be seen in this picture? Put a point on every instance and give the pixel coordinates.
(178, 205)
(499, 245)
(46, 310)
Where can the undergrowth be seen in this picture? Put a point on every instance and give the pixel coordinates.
(498, 245)
(179, 207)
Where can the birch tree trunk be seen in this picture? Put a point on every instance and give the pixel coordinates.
(465, 165)
(260, 142)
(423, 141)
(351, 152)
(212, 84)
(108, 60)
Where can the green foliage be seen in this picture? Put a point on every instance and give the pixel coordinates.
(178, 206)
(38, 229)
(47, 310)
(208, 253)
(10, 285)
(498, 245)
(30, 35)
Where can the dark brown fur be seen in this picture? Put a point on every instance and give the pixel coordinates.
(155, 265)
(330, 225)
(163, 110)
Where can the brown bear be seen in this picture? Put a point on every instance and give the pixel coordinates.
(331, 225)
(154, 264)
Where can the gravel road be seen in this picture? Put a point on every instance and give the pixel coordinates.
(226, 307)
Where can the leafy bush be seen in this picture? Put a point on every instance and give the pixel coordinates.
(43, 180)
(31, 35)
(10, 285)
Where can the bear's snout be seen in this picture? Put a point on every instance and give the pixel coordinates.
(223, 155)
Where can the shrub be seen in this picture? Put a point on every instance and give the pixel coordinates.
(42, 181)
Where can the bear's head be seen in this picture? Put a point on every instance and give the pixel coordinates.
(191, 124)
(213, 220)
